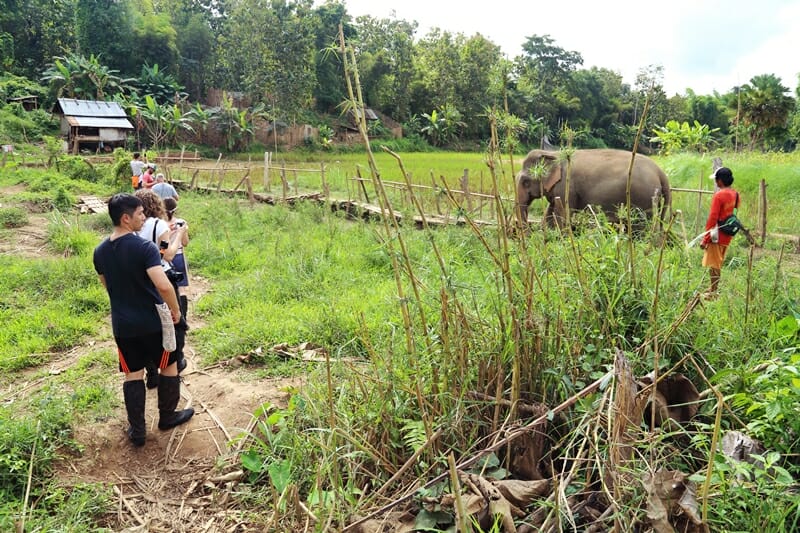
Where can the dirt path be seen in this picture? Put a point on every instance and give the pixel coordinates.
(181, 479)
(176, 481)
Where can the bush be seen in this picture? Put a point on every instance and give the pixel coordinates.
(77, 168)
(18, 125)
(412, 143)
(13, 217)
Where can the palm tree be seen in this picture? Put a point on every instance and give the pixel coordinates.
(765, 107)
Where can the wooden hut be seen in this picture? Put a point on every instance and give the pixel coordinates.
(92, 124)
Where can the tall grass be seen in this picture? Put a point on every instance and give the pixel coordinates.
(533, 319)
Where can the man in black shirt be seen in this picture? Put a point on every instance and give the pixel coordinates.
(130, 269)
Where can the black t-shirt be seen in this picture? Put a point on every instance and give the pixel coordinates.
(124, 263)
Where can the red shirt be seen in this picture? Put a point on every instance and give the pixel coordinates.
(722, 205)
(148, 180)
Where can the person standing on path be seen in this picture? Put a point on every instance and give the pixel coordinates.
(163, 189)
(715, 243)
(147, 180)
(157, 230)
(137, 167)
(179, 260)
(129, 267)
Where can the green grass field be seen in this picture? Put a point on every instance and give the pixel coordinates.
(421, 328)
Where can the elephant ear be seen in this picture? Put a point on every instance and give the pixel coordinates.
(555, 176)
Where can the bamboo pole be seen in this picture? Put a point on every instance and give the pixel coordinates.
(762, 204)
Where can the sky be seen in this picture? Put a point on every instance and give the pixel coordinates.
(704, 45)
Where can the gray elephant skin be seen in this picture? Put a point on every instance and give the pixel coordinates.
(596, 178)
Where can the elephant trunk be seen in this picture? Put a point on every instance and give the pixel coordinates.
(527, 191)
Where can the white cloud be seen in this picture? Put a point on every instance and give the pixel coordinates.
(705, 45)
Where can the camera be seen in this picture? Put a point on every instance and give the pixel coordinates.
(174, 276)
(180, 224)
(163, 245)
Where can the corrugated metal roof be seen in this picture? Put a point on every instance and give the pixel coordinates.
(90, 108)
(100, 122)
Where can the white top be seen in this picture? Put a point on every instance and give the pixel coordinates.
(146, 232)
(137, 167)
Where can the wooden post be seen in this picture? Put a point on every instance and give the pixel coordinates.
(284, 183)
(221, 177)
(250, 195)
(211, 180)
(363, 187)
(762, 207)
(180, 163)
(436, 195)
(558, 212)
(465, 189)
(698, 219)
(193, 185)
(296, 186)
(480, 199)
(326, 191)
(267, 163)
(410, 192)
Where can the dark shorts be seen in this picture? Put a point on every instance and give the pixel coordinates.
(137, 352)
(179, 264)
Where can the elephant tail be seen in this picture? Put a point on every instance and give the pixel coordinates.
(666, 193)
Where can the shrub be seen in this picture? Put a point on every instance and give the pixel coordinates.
(13, 217)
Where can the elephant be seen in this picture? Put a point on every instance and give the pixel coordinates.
(596, 177)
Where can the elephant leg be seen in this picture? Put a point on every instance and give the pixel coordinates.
(550, 219)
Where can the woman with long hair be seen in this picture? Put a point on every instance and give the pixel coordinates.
(156, 229)
(179, 260)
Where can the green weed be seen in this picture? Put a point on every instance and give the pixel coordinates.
(13, 217)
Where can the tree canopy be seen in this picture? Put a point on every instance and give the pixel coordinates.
(284, 55)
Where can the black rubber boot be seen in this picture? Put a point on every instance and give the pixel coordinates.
(169, 393)
(184, 305)
(152, 377)
(135, 395)
(180, 342)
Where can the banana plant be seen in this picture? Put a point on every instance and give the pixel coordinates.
(156, 117)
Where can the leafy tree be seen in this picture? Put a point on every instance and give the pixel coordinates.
(156, 82)
(543, 78)
(600, 92)
(764, 108)
(443, 125)
(329, 89)
(32, 32)
(437, 64)
(675, 136)
(195, 46)
(708, 109)
(104, 28)
(481, 65)
(155, 42)
(266, 50)
(76, 76)
(235, 124)
(385, 54)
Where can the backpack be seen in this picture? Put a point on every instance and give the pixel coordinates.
(731, 225)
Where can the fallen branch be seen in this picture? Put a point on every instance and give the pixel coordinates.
(530, 426)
